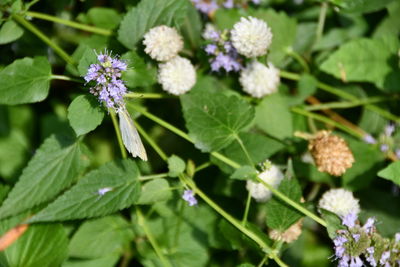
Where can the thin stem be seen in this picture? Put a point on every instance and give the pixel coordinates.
(69, 23)
(44, 38)
(147, 95)
(293, 203)
(263, 261)
(151, 142)
(321, 21)
(153, 241)
(118, 133)
(247, 208)
(64, 78)
(244, 149)
(299, 59)
(203, 166)
(340, 105)
(327, 120)
(153, 176)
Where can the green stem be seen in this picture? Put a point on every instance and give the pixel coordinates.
(263, 261)
(153, 241)
(64, 78)
(147, 95)
(44, 38)
(244, 149)
(151, 142)
(152, 177)
(299, 59)
(293, 203)
(321, 21)
(118, 133)
(340, 105)
(69, 23)
(203, 166)
(247, 208)
(326, 120)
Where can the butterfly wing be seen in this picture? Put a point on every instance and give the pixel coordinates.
(130, 135)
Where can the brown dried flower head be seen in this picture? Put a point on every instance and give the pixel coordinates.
(331, 153)
(291, 234)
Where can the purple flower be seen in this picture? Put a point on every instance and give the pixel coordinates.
(369, 225)
(211, 49)
(339, 248)
(103, 191)
(389, 129)
(349, 220)
(384, 258)
(226, 62)
(256, 2)
(356, 262)
(205, 6)
(397, 153)
(228, 4)
(369, 139)
(370, 259)
(356, 237)
(344, 261)
(109, 88)
(188, 196)
(397, 237)
(384, 147)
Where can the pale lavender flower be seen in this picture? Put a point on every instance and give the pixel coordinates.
(228, 4)
(370, 258)
(369, 139)
(369, 225)
(204, 6)
(397, 153)
(356, 237)
(384, 258)
(384, 147)
(339, 248)
(224, 61)
(389, 129)
(344, 261)
(188, 196)
(109, 88)
(256, 2)
(349, 220)
(397, 237)
(356, 262)
(211, 49)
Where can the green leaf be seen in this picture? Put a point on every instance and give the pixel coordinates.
(106, 261)
(9, 32)
(102, 17)
(26, 80)
(349, 62)
(213, 119)
(101, 237)
(279, 22)
(41, 245)
(334, 223)
(192, 27)
(176, 166)
(306, 86)
(281, 216)
(391, 172)
(55, 165)
(273, 117)
(155, 191)
(138, 74)
(88, 57)
(244, 173)
(120, 183)
(85, 114)
(148, 14)
(361, 6)
(226, 18)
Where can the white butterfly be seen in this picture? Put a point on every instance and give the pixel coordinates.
(130, 135)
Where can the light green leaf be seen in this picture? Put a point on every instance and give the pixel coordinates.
(85, 114)
(41, 245)
(155, 191)
(361, 6)
(88, 57)
(100, 237)
(244, 173)
(334, 223)
(9, 32)
(4, 189)
(213, 119)
(112, 187)
(363, 60)
(148, 14)
(391, 172)
(176, 166)
(25, 80)
(106, 261)
(273, 117)
(306, 86)
(55, 165)
(138, 74)
(192, 27)
(226, 18)
(103, 17)
(280, 215)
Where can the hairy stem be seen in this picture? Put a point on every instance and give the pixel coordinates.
(151, 142)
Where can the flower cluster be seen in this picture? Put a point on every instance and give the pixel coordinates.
(271, 175)
(176, 74)
(387, 141)
(223, 54)
(339, 201)
(109, 87)
(356, 245)
(210, 6)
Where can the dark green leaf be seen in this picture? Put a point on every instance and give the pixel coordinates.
(88, 57)
(85, 114)
(192, 27)
(391, 172)
(148, 14)
(106, 261)
(176, 166)
(112, 187)
(41, 245)
(101, 237)
(155, 191)
(55, 165)
(280, 215)
(361, 6)
(138, 74)
(213, 119)
(26, 80)
(244, 173)
(103, 17)
(9, 32)
(306, 86)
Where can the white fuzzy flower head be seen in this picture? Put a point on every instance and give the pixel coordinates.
(177, 76)
(251, 37)
(162, 43)
(339, 201)
(273, 176)
(259, 80)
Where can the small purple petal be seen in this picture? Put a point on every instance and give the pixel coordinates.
(210, 49)
(188, 196)
(349, 220)
(384, 147)
(369, 139)
(389, 129)
(228, 4)
(369, 225)
(356, 237)
(384, 258)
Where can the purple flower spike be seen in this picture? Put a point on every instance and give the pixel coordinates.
(349, 220)
(188, 196)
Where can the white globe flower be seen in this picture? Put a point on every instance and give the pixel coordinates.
(273, 176)
(177, 76)
(259, 80)
(162, 43)
(251, 37)
(340, 202)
